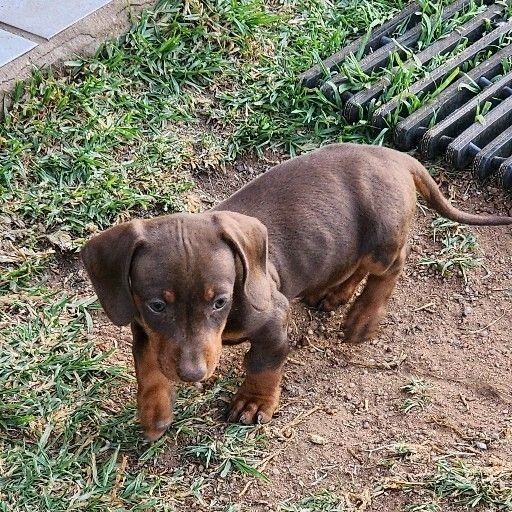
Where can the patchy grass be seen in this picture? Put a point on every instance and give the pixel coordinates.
(462, 484)
(458, 253)
(451, 482)
(193, 86)
(472, 486)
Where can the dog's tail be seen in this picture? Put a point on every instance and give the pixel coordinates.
(428, 189)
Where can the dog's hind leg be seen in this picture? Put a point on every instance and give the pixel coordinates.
(370, 307)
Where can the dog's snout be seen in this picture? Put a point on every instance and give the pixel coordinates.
(192, 372)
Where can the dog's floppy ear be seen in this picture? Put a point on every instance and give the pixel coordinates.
(247, 236)
(107, 258)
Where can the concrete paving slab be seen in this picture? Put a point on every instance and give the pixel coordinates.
(46, 18)
(12, 46)
(82, 38)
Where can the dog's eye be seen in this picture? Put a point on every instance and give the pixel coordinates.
(156, 305)
(220, 303)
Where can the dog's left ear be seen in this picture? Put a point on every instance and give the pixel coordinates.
(248, 237)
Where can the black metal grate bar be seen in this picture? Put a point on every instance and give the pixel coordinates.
(409, 131)
(471, 31)
(505, 173)
(466, 115)
(493, 154)
(436, 140)
(469, 143)
(380, 57)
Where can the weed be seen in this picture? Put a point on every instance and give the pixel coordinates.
(324, 501)
(396, 452)
(417, 391)
(458, 251)
(237, 451)
(472, 486)
(482, 111)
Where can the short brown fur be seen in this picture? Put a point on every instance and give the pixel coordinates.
(312, 227)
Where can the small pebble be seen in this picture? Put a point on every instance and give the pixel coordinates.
(480, 445)
(316, 439)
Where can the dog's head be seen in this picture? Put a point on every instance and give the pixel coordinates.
(179, 277)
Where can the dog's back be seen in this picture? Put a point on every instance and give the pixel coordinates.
(328, 208)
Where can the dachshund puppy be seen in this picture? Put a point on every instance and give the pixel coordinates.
(312, 227)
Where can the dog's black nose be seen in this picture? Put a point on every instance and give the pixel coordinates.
(189, 372)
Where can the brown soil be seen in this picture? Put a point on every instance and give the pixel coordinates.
(453, 335)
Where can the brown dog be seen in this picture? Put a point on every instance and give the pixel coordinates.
(312, 227)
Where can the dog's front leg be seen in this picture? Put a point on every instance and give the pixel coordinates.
(258, 397)
(155, 391)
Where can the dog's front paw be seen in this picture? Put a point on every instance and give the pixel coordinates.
(155, 413)
(248, 408)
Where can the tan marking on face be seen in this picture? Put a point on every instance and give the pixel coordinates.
(137, 301)
(212, 353)
(209, 293)
(169, 296)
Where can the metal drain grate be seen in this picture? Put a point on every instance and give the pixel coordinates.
(461, 106)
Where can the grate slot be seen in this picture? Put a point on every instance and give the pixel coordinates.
(462, 118)
(436, 77)
(492, 156)
(469, 142)
(380, 57)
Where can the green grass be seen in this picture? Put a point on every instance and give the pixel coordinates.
(464, 485)
(472, 486)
